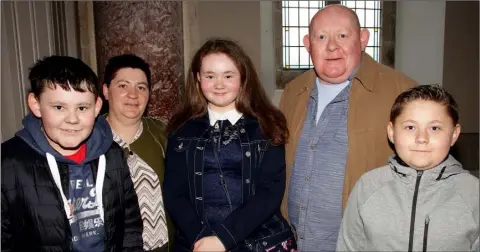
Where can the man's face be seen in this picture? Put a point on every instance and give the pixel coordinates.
(423, 134)
(67, 117)
(335, 44)
(127, 94)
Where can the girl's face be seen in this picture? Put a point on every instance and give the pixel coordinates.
(220, 81)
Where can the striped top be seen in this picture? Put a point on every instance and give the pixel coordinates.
(147, 185)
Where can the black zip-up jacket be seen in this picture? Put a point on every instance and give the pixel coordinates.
(263, 184)
(33, 215)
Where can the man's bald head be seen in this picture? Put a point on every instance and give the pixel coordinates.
(335, 11)
(335, 43)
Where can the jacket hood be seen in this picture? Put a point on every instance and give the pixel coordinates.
(97, 143)
(448, 168)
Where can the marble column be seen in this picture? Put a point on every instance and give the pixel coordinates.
(153, 31)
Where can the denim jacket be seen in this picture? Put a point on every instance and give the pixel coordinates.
(263, 176)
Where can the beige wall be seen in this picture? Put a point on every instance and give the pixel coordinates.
(418, 49)
(461, 75)
(461, 64)
(237, 20)
(30, 30)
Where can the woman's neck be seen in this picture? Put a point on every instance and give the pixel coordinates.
(125, 128)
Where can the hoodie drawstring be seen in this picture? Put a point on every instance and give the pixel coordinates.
(52, 163)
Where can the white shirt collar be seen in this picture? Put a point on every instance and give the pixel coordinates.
(232, 116)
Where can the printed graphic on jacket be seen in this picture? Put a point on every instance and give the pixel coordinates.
(86, 224)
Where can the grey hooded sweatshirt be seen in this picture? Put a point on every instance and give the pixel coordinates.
(397, 208)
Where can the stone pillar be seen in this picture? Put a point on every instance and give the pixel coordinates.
(151, 30)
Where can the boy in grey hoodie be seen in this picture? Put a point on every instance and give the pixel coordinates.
(423, 199)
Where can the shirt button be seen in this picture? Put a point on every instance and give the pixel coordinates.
(247, 153)
(307, 178)
(301, 237)
(312, 147)
(242, 130)
(303, 208)
(247, 181)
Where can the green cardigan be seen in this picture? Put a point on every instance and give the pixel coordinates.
(151, 147)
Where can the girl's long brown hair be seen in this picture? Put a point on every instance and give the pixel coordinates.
(251, 101)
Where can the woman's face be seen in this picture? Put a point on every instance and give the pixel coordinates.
(128, 93)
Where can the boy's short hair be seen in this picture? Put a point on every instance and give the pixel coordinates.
(125, 61)
(64, 71)
(433, 93)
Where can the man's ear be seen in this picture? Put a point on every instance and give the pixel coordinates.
(306, 42)
(105, 91)
(98, 106)
(364, 36)
(34, 105)
(390, 132)
(456, 134)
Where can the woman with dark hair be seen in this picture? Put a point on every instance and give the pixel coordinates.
(126, 87)
(225, 159)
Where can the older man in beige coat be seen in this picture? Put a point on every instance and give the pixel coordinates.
(333, 144)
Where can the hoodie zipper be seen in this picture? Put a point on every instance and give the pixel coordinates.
(425, 233)
(414, 208)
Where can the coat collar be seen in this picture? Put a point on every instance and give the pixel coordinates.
(449, 167)
(205, 119)
(232, 116)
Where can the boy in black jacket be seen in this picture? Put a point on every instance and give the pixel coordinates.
(65, 183)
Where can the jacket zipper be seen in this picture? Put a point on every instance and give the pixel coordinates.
(425, 233)
(414, 208)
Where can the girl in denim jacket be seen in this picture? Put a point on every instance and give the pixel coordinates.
(225, 160)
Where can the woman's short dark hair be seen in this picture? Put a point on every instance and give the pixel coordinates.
(125, 61)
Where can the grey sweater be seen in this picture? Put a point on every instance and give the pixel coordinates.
(442, 203)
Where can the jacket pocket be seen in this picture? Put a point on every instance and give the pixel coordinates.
(182, 144)
(270, 242)
(262, 147)
(425, 233)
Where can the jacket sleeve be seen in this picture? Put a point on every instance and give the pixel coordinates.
(475, 245)
(475, 211)
(269, 190)
(12, 222)
(132, 239)
(7, 232)
(351, 236)
(176, 195)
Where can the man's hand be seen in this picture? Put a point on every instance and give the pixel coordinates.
(209, 243)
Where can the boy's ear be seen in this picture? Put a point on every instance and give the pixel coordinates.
(390, 132)
(98, 106)
(456, 134)
(34, 105)
(105, 91)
